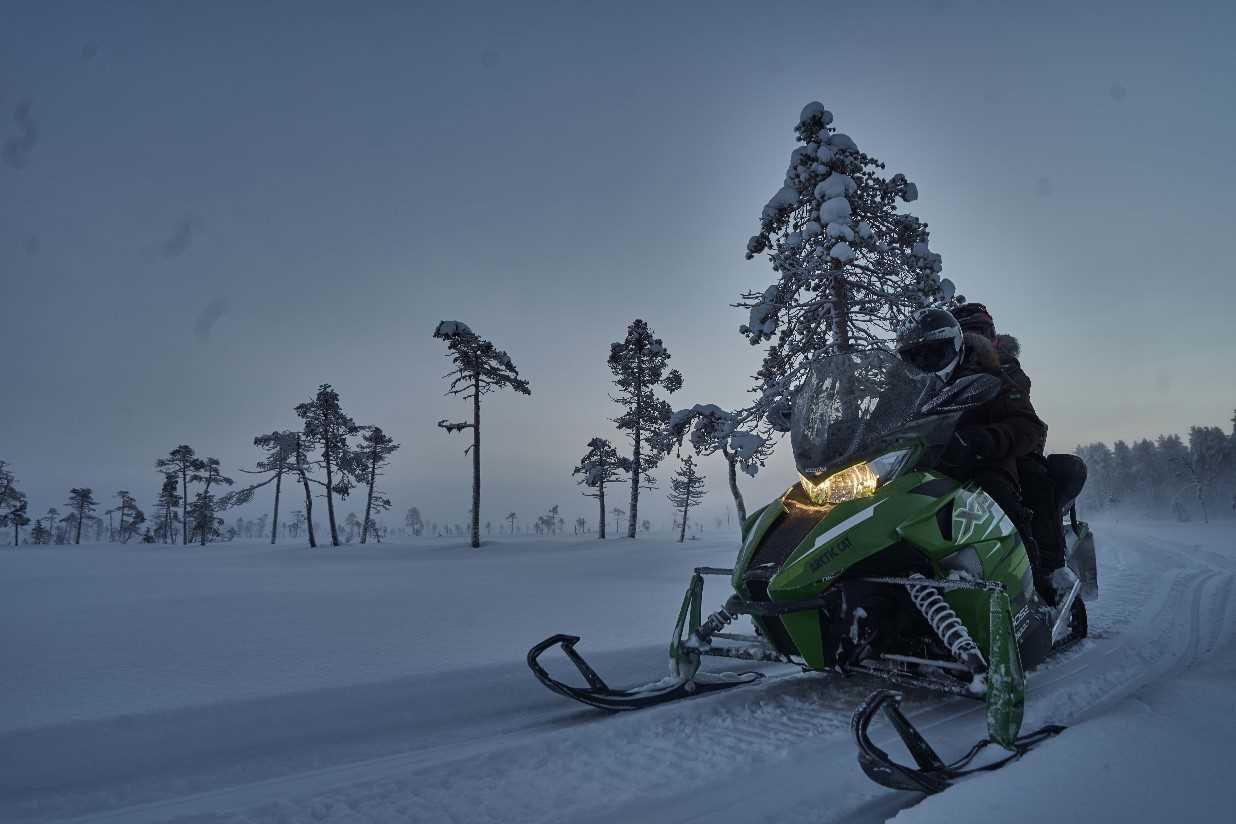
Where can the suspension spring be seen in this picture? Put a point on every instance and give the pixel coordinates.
(944, 621)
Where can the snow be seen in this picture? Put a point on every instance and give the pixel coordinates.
(814, 109)
(841, 230)
(835, 210)
(842, 142)
(246, 683)
(835, 185)
(842, 252)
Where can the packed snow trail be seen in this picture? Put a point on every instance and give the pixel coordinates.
(490, 744)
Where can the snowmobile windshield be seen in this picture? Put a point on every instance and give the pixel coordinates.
(851, 405)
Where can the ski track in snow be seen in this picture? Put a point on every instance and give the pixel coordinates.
(776, 751)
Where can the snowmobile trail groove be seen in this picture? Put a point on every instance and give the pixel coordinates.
(776, 750)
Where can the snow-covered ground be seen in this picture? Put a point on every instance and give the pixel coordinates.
(249, 683)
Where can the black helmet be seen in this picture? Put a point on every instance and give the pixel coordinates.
(931, 342)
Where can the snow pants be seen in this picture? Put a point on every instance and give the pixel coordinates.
(1005, 492)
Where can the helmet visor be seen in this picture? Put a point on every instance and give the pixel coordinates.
(930, 356)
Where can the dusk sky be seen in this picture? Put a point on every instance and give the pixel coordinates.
(206, 210)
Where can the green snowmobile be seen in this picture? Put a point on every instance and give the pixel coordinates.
(878, 562)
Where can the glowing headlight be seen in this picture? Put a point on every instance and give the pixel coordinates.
(858, 481)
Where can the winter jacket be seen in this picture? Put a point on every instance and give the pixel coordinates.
(1009, 349)
(1009, 418)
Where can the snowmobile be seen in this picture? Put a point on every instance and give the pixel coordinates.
(878, 562)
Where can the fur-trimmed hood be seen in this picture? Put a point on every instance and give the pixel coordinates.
(980, 354)
(1008, 346)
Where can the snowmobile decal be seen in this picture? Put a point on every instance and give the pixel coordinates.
(975, 509)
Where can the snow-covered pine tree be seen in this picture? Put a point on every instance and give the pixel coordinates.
(181, 461)
(205, 506)
(413, 521)
(850, 268)
(13, 504)
(480, 368)
(166, 507)
(82, 503)
(13, 509)
(600, 465)
(511, 518)
(687, 490)
(713, 430)
(130, 515)
(639, 363)
(280, 448)
(374, 451)
(1210, 455)
(40, 535)
(327, 429)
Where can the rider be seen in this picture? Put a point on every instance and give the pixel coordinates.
(991, 438)
(1037, 488)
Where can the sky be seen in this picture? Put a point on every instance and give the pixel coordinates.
(207, 210)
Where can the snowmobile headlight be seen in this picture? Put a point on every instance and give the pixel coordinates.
(857, 481)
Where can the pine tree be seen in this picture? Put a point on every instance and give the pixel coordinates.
(169, 500)
(280, 447)
(511, 518)
(40, 534)
(639, 363)
(181, 461)
(413, 521)
(205, 506)
(1210, 453)
(374, 452)
(82, 502)
(13, 504)
(687, 490)
(480, 368)
(131, 517)
(716, 430)
(327, 428)
(600, 465)
(850, 268)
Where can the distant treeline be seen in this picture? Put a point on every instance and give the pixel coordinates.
(1164, 477)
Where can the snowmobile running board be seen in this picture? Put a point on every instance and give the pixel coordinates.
(932, 774)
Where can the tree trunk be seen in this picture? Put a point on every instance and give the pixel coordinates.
(208, 516)
(184, 503)
(635, 467)
(80, 517)
(308, 510)
(330, 500)
(601, 521)
(274, 526)
(738, 502)
(682, 532)
(476, 461)
(373, 474)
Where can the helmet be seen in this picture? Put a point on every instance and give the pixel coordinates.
(974, 317)
(930, 342)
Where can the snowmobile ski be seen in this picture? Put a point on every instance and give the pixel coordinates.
(932, 774)
(601, 695)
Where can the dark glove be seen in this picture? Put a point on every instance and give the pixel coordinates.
(967, 447)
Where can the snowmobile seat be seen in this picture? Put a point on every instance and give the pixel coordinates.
(1068, 473)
